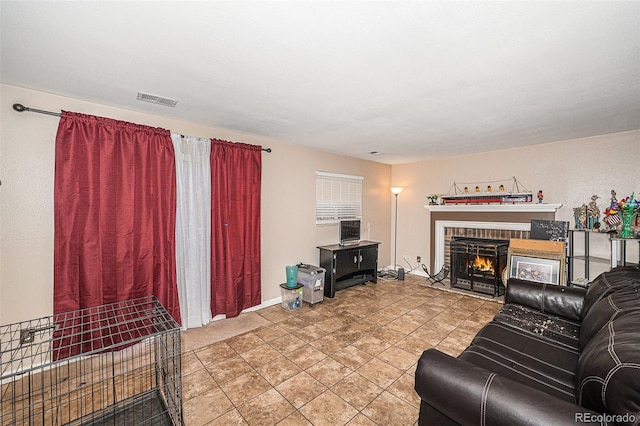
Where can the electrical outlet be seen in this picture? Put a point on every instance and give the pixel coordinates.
(418, 259)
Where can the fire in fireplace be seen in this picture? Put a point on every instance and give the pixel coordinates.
(477, 264)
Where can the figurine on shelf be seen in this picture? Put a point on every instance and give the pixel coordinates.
(501, 188)
(489, 188)
(583, 216)
(611, 216)
(433, 200)
(576, 216)
(593, 213)
(466, 190)
(477, 189)
(540, 197)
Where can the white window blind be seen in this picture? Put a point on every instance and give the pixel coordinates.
(337, 197)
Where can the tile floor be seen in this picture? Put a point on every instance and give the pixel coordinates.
(346, 361)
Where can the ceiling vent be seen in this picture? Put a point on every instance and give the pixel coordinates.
(155, 99)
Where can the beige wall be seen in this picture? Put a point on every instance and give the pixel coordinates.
(567, 172)
(289, 233)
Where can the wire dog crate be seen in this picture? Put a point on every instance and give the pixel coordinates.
(115, 364)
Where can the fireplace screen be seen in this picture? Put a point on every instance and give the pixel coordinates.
(477, 264)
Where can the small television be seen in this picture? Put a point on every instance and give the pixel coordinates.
(349, 232)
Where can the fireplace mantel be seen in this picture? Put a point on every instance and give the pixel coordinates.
(495, 208)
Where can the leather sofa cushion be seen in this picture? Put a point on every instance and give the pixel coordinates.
(608, 373)
(607, 282)
(554, 328)
(525, 358)
(608, 309)
(546, 298)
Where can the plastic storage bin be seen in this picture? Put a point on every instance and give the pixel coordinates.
(312, 278)
(291, 297)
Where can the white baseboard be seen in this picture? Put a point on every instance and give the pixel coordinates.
(265, 304)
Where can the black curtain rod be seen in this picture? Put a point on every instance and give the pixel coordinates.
(22, 108)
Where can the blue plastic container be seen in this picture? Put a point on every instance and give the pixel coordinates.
(292, 276)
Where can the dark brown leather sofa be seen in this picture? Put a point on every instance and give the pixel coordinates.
(553, 355)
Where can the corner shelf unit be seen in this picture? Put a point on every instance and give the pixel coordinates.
(613, 260)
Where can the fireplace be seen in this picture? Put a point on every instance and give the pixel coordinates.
(477, 264)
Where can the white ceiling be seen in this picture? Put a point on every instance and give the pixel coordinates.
(414, 80)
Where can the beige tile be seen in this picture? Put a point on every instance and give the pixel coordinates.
(413, 345)
(215, 353)
(451, 347)
(395, 310)
(371, 345)
(230, 418)
(348, 335)
(328, 409)
(245, 387)
(306, 356)
(331, 324)
(379, 331)
(266, 409)
(388, 335)
(364, 325)
(300, 389)
(278, 370)
(294, 419)
(398, 358)
(329, 371)
(404, 324)
(197, 383)
(329, 344)
(381, 318)
(286, 344)
(390, 410)
(245, 342)
(380, 373)
(270, 333)
(356, 390)
(351, 357)
(403, 388)
(229, 369)
(294, 324)
(259, 356)
(310, 333)
(205, 407)
(190, 363)
(361, 420)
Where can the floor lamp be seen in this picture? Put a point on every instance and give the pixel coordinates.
(396, 190)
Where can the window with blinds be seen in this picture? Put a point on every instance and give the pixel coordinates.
(338, 197)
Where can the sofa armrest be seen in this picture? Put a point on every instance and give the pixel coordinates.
(471, 395)
(552, 299)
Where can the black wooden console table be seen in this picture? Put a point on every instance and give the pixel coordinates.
(349, 265)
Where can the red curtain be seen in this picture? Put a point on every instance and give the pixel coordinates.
(236, 173)
(114, 208)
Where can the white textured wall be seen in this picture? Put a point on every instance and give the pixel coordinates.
(289, 233)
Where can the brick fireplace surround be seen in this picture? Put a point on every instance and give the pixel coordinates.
(501, 221)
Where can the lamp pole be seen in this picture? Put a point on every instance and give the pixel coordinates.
(396, 191)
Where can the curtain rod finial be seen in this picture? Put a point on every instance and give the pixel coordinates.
(19, 107)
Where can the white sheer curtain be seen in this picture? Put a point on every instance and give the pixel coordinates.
(193, 228)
